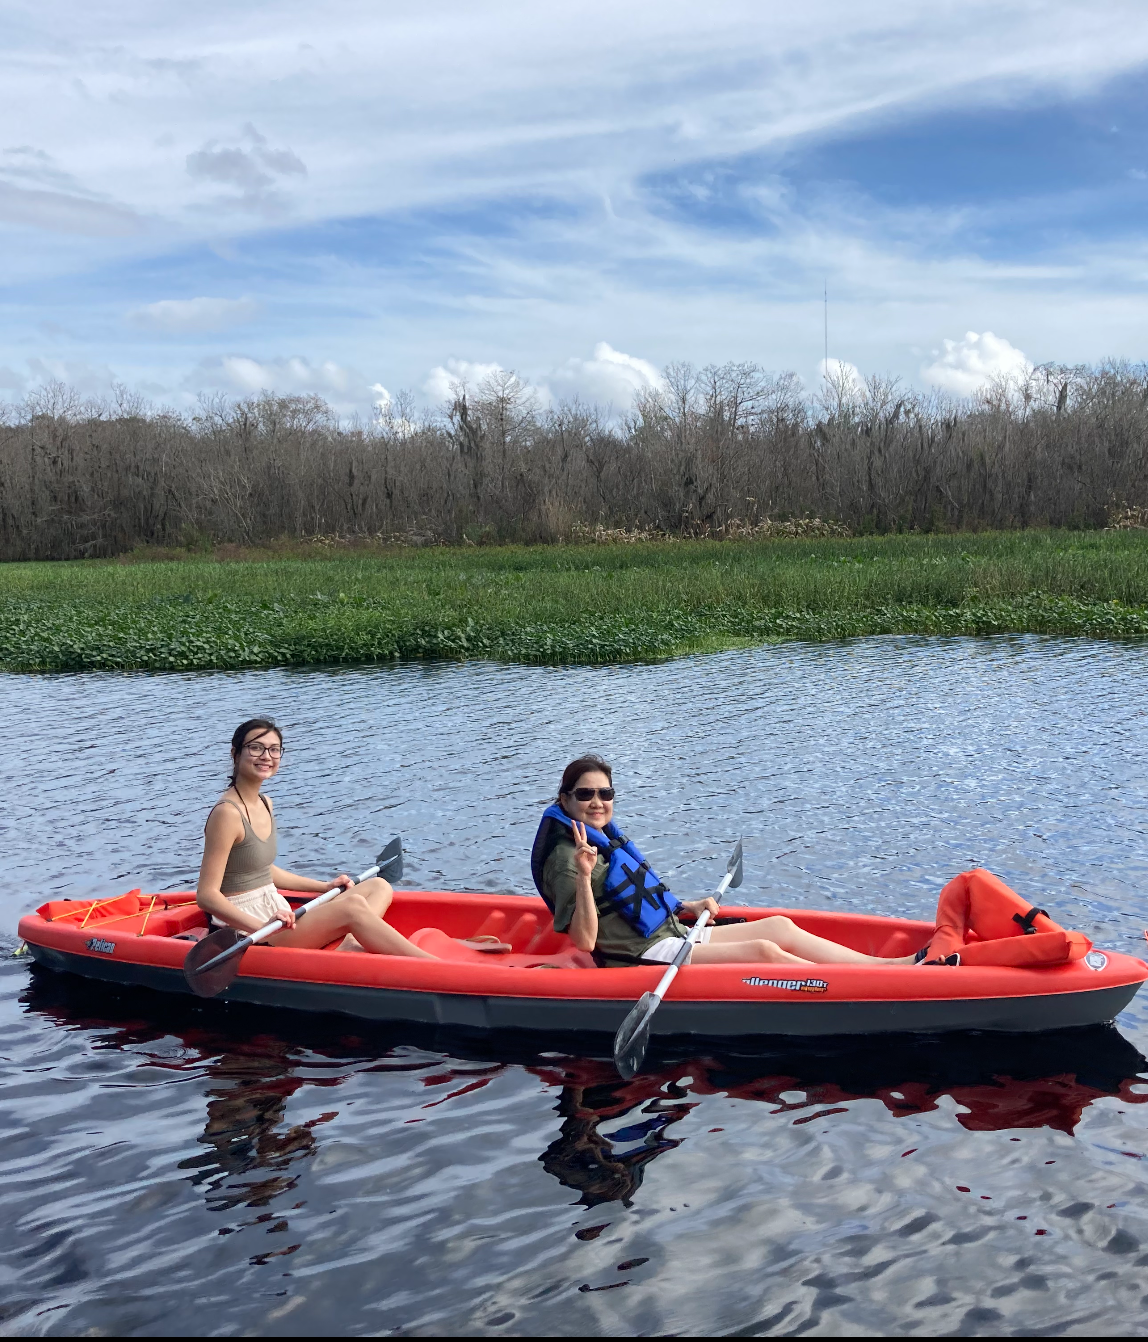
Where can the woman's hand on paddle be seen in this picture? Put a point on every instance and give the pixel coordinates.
(342, 880)
(286, 917)
(585, 854)
(697, 906)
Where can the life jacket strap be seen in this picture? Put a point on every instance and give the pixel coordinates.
(1026, 922)
(643, 894)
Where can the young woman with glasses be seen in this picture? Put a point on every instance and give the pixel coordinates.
(603, 893)
(238, 876)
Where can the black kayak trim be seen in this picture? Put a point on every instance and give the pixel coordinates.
(731, 1019)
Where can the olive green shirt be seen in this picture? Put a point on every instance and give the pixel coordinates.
(618, 943)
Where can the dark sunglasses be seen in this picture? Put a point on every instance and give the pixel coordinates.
(589, 793)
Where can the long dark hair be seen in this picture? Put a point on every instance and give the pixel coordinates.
(576, 768)
(240, 735)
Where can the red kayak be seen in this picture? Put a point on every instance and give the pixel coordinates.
(544, 984)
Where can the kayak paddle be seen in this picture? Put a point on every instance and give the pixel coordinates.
(633, 1037)
(212, 963)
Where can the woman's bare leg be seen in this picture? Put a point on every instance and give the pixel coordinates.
(785, 933)
(744, 952)
(348, 913)
(377, 893)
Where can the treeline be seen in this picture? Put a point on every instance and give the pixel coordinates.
(722, 451)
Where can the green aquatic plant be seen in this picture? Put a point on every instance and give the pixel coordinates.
(566, 604)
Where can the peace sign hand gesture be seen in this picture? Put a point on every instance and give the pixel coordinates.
(585, 854)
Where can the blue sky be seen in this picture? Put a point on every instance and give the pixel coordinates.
(365, 197)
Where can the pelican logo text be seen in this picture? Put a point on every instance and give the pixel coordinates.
(793, 985)
(99, 944)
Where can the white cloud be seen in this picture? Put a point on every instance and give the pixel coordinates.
(88, 379)
(344, 388)
(442, 379)
(610, 378)
(965, 366)
(177, 316)
(839, 383)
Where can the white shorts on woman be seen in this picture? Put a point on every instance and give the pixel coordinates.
(264, 903)
(664, 952)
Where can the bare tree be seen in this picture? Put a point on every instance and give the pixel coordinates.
(712, 452)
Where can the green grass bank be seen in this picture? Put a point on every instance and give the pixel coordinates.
(594, 603)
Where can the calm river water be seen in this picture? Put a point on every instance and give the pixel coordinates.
(177, 1169)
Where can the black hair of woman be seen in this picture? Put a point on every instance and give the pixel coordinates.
(576, 768)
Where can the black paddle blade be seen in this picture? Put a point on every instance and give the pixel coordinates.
(633, 1037)
(212, 982)
(734, 865)
(390, 861)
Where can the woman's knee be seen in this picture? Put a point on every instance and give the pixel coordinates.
(353, 905)
(775, 926)
(375, 886)
(768, 952)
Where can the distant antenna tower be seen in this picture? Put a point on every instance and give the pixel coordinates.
(825, 366)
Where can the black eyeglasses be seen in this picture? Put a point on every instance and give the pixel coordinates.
(589, 793)
(258, 749)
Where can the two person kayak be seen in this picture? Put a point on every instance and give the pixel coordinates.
(546, 985)
(601, 932)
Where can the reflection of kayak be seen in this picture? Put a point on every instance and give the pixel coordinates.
(545, 984)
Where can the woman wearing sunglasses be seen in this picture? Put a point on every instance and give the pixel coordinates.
(602, 892)
(238, 876)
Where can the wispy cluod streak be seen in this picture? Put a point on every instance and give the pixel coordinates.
(176, 316)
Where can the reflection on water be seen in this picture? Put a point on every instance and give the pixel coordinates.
(605, 1133)
(319, 1176)
(592, 1163)
(246, 1105)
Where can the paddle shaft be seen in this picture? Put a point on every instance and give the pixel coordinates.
(269, 929)
(691, 940)
(633, 1037)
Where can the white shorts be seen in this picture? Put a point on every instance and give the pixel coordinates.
(663, 952)
(266, 903)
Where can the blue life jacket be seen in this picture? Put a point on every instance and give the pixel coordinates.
(632, 888)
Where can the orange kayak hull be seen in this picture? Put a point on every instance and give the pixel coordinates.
(544, 985)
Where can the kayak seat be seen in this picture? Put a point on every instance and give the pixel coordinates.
(985, 923)
(562, 956)
(172, 922)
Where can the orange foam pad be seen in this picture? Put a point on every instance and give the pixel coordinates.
(94, 911)
(436, 942)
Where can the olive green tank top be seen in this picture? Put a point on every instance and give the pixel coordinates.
(249, 862)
